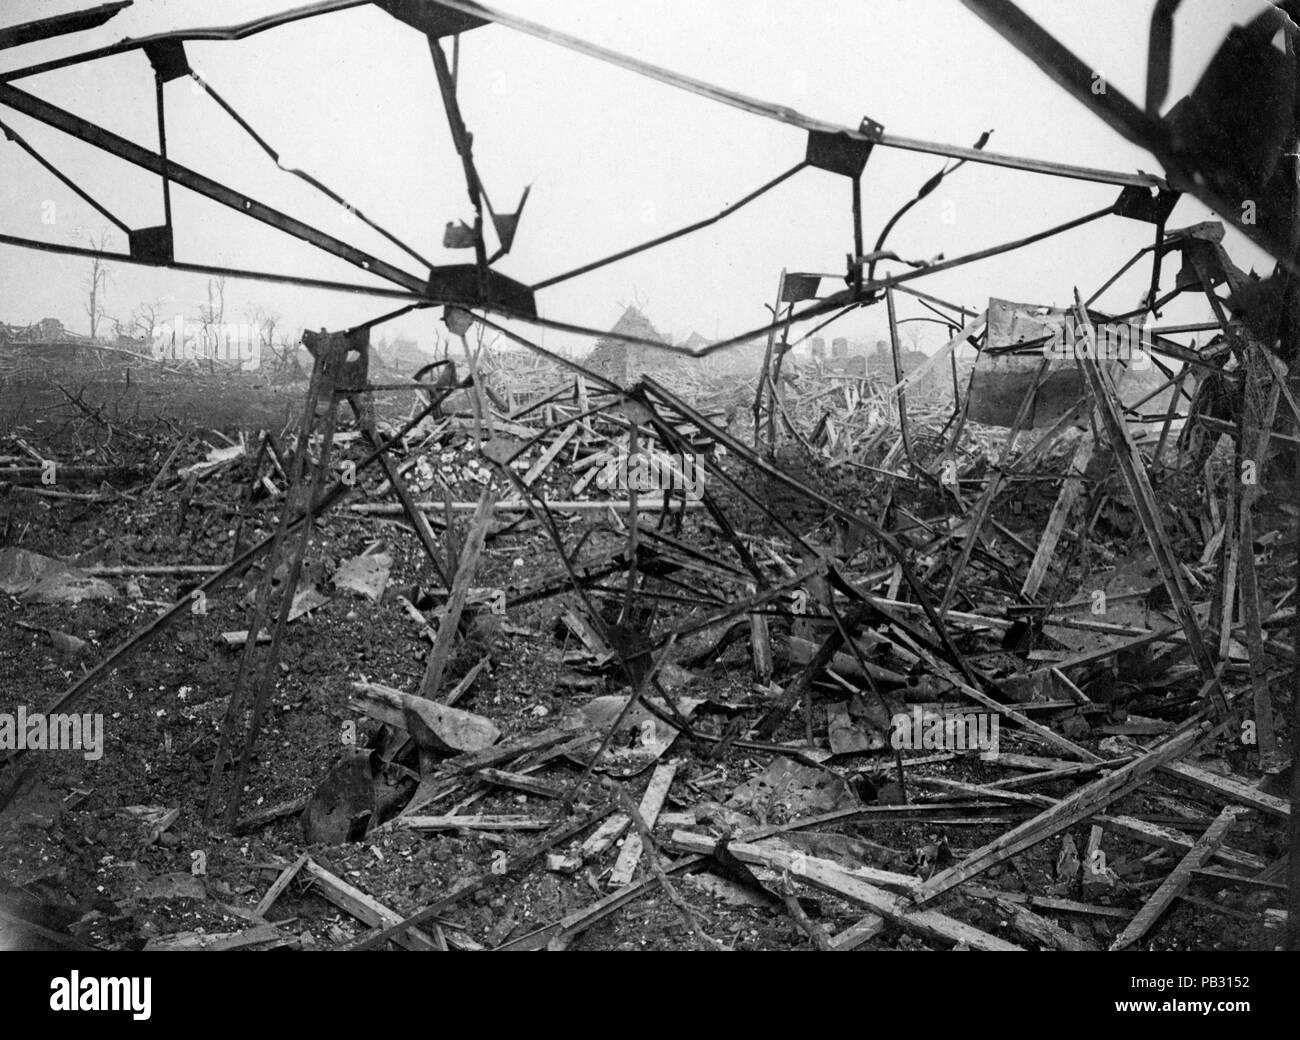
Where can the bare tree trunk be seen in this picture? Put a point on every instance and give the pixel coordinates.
(98, 282)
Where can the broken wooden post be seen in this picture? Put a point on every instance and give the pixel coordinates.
(802, 684)
(1078, 806)
(365, 418)
(1258, 413)
(760, 644)
(765, 376)
(1178, 879)
(447, 628)
(899, 381)
(1135, 478)
(257, 671)
(975, 522)
(1060, 515)
(651, 803)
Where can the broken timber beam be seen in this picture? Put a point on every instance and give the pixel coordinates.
(776, 714)
(1075, 808)
(1056, 522)
(830, 877)
(450, 623)
(1135, 477)
(651, 803)
(1178, 879)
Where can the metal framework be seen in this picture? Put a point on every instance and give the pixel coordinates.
(479, 286)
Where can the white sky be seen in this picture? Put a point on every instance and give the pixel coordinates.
(613, 158)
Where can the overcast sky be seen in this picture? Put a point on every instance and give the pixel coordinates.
(613, 158)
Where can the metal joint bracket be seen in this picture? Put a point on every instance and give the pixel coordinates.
(1141, 204)
(168, 59)
(840, 153)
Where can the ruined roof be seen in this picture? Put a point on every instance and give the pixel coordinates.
(616, 359)
(632, 323)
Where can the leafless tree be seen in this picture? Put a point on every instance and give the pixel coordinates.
(144, 320)
(97, 282)
(213, 313)
(264, 321)
(286, 355)
(912, 336)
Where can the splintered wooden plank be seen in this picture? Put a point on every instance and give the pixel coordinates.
(1056, 522)
(1230, 789)
(1134, 472)
(522, 859)
(548, 456)
(363, 907)
(271, 813)
(1178, 879)
(974, 521)
(604, 836)
(587, 634)
(1259, 411)
(467, 680)
(479, 822)
(520, 782)
(830, 877)
(760, 643)
(651, 802)
(279, 885)
(572, 924)
(580, 396)
(1231, 553)
(1071, 906)
(506, 750)
(1043, 930)
(856, 934)
(1177, 841)
(1006, 711)
(1074, 808)
(1086, 657)
(209, 942)
(460, 587)
(254, 936)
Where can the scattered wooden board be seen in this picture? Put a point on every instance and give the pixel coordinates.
(280, 884)
(480, 822)
(651, 802)
(830, 877)
(1076, 807)
(1230, 789)
(1178, 879)
(365, 908)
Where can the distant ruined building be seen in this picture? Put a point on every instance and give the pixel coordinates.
(624, 363)
(853, 359)
(694, 342)
(31, 351)
(47, 330)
